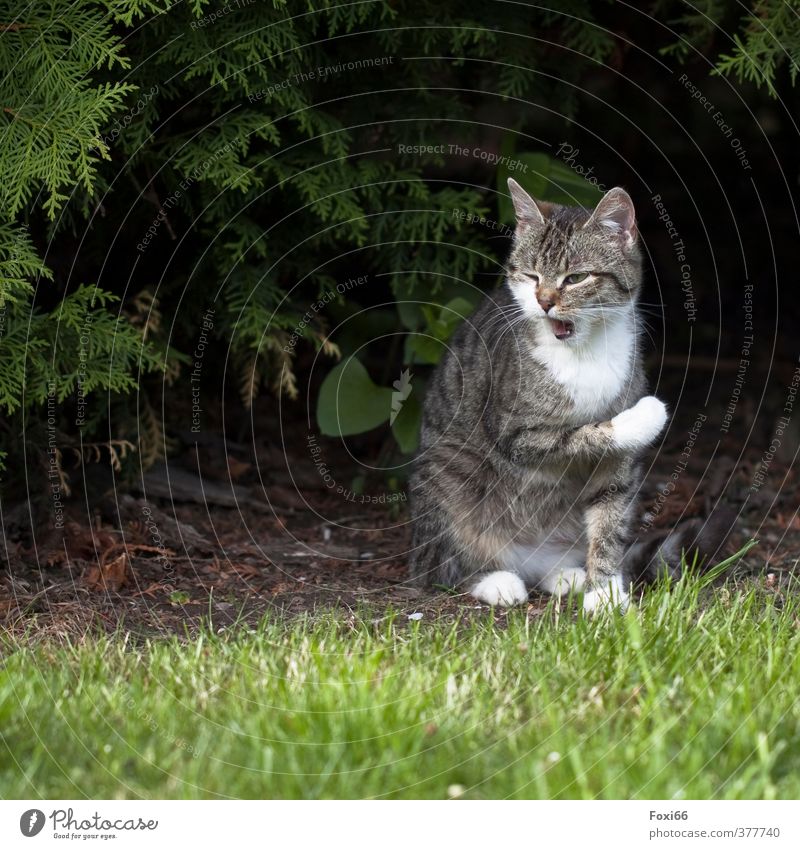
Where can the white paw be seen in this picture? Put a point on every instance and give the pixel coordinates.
(641, 424)
(502, 589)
(609, 595)
(560, 581)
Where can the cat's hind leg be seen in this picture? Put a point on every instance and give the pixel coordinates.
(439, 554)
(450, 547)
(434, 556)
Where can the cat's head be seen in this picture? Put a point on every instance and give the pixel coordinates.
(574, 270)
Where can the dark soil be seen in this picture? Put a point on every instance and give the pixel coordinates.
(223, 533)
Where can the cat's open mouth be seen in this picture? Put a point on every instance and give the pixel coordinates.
(561, 329)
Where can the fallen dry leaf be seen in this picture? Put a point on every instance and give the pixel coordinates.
(243, 570)
(110, 577)
(75, 542)
(154, 589)
(237, 468)
(7, 605)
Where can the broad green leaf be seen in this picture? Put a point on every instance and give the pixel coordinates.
(422, 349)
(406, 425)
(411, 301)
(410, 313)
(428, 345)
(457, 310)
(349, 402)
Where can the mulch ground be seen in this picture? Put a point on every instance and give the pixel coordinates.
(224, 535)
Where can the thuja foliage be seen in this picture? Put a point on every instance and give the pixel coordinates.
(769, 39)
(752, 41)
(160, 158)
(248, 154)
(60, 340)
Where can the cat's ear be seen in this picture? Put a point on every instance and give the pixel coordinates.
(529, 211)
(616, 215)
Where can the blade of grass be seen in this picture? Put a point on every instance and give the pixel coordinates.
(722, 567)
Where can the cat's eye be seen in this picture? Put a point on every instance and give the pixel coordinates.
(576, 278)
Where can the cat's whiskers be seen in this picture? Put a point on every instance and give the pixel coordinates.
(515, 322)
(506, 318)
(643, 325)
(511, 327)
(639, 323)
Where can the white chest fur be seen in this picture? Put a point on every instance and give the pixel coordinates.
(595, 371)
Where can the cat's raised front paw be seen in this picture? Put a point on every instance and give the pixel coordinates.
(639, 425)
(502, 589)
(612, 594)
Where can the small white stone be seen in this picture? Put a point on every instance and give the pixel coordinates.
(415, 616)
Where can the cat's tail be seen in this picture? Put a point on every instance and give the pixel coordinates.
(662, 553)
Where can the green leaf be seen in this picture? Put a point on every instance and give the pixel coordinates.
(349, 402)
(412, 299)
(428, 345)
(721, 568)
(178, 598)
(422, 349)
(407, 422)
(455, 311)
(410, 313)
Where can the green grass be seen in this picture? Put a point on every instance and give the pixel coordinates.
(692, 694)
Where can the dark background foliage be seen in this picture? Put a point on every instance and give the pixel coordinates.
(187, 157)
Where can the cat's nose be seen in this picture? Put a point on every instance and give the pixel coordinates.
(546, 300)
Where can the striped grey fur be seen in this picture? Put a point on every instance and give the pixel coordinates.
(511, 459)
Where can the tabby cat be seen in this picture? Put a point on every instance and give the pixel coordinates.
(536, 418)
